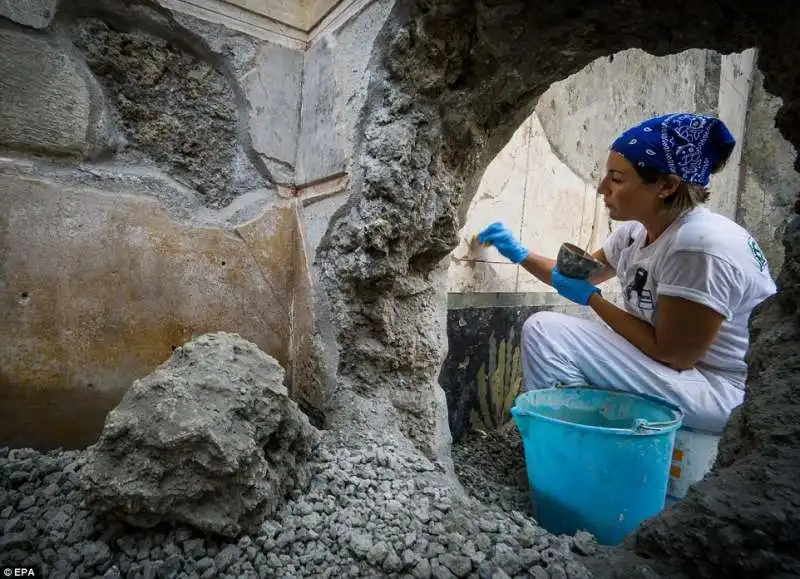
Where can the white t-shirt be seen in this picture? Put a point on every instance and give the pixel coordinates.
(703, 257)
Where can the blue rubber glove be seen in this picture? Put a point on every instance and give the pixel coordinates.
(575, 290)
(501, 237)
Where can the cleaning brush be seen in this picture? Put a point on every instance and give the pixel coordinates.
(474, 243)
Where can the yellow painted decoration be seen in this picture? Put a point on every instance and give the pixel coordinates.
(498, 386)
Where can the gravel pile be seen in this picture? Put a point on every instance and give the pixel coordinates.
(370, 511)
(491, 467)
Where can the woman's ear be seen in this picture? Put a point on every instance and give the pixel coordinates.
(668, 185)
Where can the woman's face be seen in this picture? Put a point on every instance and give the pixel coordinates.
(625, 193)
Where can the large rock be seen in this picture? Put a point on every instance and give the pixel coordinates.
(210, 438)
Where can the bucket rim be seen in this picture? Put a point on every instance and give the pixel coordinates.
(639, 428)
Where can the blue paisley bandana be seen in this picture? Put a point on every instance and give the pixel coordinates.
(680, 144)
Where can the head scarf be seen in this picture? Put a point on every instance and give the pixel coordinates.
(680, 144)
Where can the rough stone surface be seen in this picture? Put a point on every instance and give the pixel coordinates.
(210, 438)
(176, 108)
(45, 97)
(451, 82)
(235, 52)
(31, 13)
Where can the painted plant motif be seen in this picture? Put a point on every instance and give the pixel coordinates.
(498, 385)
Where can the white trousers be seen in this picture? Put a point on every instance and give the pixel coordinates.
(557, 348)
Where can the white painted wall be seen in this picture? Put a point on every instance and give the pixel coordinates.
(540, 198)
(735, 82)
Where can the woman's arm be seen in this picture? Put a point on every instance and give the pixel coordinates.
(540, 267)
(683, 331)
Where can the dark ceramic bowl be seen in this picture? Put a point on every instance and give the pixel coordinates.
(574, 262)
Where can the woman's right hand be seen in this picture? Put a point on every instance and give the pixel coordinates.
(500, 236)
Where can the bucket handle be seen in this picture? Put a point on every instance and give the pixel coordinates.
(642, 424)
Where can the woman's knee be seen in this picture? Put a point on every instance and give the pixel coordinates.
(544, 325)
(543, 361)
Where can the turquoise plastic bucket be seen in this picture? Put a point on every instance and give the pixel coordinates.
(597, 460)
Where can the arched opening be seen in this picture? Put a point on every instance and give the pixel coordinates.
(542, 185)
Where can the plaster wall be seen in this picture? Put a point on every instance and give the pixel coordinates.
(115, 245)
(98, 287)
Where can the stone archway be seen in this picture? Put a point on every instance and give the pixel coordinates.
(451, 81)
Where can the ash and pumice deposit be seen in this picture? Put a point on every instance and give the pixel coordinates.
(367, 512)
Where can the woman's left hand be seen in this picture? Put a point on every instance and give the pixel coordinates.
(575, 290)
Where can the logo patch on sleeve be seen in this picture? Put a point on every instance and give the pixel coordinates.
(758, 255)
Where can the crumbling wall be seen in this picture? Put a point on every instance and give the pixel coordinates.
(197, 166)
(174, 108)
(452, 80)
(126, 90)
(135, 208)
(437, 113)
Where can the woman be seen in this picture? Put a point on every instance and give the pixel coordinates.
(690, 280)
